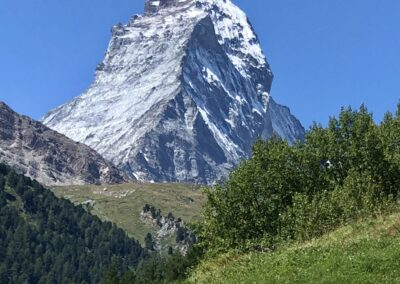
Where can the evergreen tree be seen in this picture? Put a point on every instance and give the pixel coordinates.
(44, 239)
(149, 242)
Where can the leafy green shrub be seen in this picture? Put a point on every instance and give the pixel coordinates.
(290, 192)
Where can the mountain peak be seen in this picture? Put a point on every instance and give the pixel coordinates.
(3, 105)
(153, 6)
(181, 95)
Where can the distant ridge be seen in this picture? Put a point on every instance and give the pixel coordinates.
(49, 157)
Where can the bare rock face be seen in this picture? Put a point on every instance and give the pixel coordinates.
(182, 94)
(49, 157)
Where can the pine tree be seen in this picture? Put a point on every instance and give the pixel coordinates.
(149, 242)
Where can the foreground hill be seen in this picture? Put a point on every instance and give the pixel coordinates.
(307, 195)
(362, 252)
(123, 204)
(47, 156)
(45, 239)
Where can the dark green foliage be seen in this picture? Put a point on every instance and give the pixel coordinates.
(129, 278)
(155, 213)
(180, 234)
(170, 216)
(111, 277)
(149, 242)
(44, 239)
(288, 192)
(157, 269)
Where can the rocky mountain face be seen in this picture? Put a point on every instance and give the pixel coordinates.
(168, 227)
(182, 94)
(49, 157)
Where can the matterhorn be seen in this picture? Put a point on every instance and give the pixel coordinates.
(181, 96)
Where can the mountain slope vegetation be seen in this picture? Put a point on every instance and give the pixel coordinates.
(306, 195)
(347, 170)
(283, 216)
(123, 204)
(361, 252)
(322, 211)
(45, 239)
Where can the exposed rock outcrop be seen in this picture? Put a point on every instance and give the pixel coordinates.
(168, 226)
(49, 157)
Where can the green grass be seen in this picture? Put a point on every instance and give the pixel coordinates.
(184, 201)
(363, 252)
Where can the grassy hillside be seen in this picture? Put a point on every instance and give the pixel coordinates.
(122, 204)
(363, 252)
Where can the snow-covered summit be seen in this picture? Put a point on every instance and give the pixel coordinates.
(181, 95)
(154, 6)
(231, 25)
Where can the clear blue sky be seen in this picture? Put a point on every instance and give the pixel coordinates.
(324, 53)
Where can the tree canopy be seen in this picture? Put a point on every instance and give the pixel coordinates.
(45, 239)
(284, 192)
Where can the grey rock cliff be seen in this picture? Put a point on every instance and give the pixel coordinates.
(182, 94)
(49, 157)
